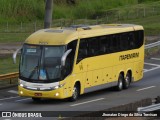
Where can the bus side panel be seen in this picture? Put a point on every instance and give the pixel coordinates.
(97, 77)
(129, 66)
(67, 86)
(107, 75)
(117, 70)
(88, 79)
(70, 81)
(80, 77)
(138, 70)
(83, 74)
(139, 65)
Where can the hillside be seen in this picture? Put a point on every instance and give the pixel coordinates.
(19, 19)
(31, 10)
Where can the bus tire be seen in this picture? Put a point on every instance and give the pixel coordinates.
(120, 82)
(127, 81)
(36, 99)
(75, 93)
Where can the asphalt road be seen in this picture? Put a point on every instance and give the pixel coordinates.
(148, 87)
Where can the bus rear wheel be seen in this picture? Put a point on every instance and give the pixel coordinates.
(36, 99)
(75, 93)
(120, 82)
(127, 81)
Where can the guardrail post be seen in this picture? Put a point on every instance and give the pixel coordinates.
(106, 17)
(97, 20)
(10, 81)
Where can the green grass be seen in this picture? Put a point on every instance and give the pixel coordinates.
(84, 12)
(88, 8)
(7, 66)
(151, 24)
(31, 10)
(21, 10)
(13, 37)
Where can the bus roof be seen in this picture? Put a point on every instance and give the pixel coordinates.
(62, 36)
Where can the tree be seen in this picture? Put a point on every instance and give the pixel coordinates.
(48, 13)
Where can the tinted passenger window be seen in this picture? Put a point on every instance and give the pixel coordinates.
(110, 44)
(139, 38)
(82, 52)
(93, 46)
(70, 58)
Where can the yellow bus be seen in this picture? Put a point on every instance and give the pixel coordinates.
(64, 63)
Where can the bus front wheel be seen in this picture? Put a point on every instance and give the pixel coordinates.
(75, 93)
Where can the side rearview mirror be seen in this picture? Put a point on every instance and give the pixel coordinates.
(15, 55)
(63, 59)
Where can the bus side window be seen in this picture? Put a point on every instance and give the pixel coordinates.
(70, 58)
(139, 38)
(126, 41)
(103, 45)
(131, 41)
(82, 52)
(93, 44)
(118, 37)
(121, 42)
(114, 44)
(108, 43)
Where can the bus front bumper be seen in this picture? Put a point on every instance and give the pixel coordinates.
(53, 94)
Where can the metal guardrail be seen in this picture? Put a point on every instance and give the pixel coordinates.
(9, 76)
(151, 45)
(149, 108)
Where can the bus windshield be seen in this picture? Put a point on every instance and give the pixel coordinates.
(41, 63)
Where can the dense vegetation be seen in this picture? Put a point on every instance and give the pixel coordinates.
(31, 10)
(30, 13)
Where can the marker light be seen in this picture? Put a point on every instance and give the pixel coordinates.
(57, 94)
(21, 92)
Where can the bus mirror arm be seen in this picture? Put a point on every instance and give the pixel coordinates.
(63, 59)
(15, 55)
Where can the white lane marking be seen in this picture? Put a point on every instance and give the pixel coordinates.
(152, 64)
(146, 88)
(87, 102)
(151, 69)
(23, 99)
(155, 58)
(9, 98)
(13, 91)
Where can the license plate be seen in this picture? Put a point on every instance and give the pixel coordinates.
(38, 94)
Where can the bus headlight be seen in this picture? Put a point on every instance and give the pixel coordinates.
(58, 86)
(21, 92)
(21, 85)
